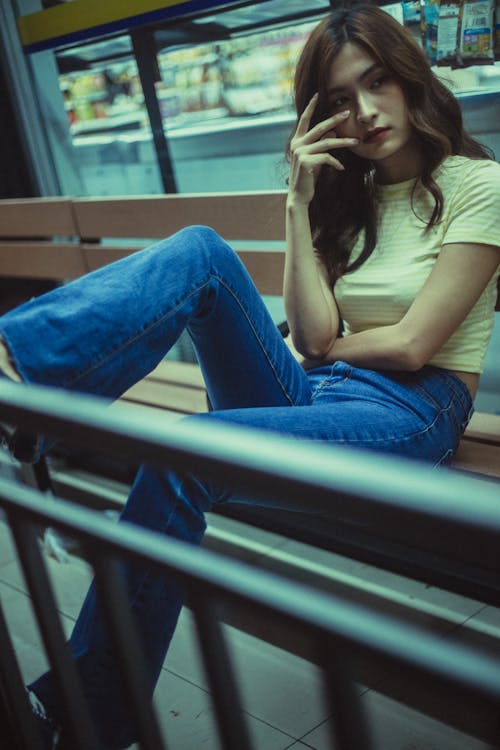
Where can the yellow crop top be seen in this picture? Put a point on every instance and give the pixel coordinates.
(381, 291)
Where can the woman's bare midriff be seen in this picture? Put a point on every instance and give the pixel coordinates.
(471, 380)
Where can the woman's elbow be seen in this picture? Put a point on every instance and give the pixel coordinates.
(313, 350)
(412, 354)
(412, 361)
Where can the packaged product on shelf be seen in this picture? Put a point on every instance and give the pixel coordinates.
(497, 30)
(412, 12)
(429, 19)
(448, 33)
(476, 37)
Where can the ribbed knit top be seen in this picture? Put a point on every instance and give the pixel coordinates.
(381, 291)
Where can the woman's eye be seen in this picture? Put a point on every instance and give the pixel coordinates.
(339, 102)
(379, 81)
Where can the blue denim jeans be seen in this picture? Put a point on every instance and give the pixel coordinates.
(102, 333)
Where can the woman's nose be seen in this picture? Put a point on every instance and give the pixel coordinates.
(366, 109)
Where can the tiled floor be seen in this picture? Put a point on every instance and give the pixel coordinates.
(281, 692)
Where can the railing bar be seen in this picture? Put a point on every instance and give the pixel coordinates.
(128, 650)
(370, 631)
(233, 729)
(349, 724)
(79, 724)
(394, 495)
(469, 674)
(18, 706)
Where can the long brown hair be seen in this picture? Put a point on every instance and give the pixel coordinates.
(344, 202)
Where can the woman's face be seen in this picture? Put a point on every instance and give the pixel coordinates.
(378, 114)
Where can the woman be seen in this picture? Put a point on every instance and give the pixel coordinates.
(391, 227)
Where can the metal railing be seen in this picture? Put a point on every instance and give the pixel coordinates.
(342, 635)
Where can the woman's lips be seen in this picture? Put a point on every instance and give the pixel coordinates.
(376, 135)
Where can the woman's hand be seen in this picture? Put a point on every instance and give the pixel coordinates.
(310, 306)
(310, 148)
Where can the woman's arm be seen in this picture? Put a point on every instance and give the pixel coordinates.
(461, 273)
(310, 305)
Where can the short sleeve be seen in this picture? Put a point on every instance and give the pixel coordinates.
(474, 210)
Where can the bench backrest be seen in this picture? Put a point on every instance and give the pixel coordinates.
(59, 238)
(248, 217)
(39, 239)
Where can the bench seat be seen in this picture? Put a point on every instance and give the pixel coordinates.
(178, 388)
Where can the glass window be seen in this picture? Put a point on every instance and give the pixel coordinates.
(223, 102)
(107, 119)
(227, 109)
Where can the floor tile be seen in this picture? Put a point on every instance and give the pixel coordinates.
(69, 580)
(397, 727)
(24, 632)
(481, 632)
(281, 693)
(7, 546)
(184, 709)
(187, 719)
(275, 686)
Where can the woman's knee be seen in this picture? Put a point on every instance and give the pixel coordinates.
(201, 242)
(201, 237)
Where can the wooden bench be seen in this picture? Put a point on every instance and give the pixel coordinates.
(63, 238)
(97, 231)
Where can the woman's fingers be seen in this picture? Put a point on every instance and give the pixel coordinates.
(309, 156)
(319, 130)
(305, 118)
(325, 144)
(311, 150)
(309, 167)
(321, 138)
(313, 163)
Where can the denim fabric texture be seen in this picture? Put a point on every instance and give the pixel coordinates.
(104, 332)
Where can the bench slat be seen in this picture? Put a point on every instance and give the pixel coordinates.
(41, 260)
(248, 216)
(484, 427)
(96, 256)
(37, 217)
(266, 268)
(172, 371)
(167, 395)
(480, 458)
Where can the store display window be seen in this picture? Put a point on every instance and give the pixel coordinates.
(109, 96)
(221, 92)
(246, 76)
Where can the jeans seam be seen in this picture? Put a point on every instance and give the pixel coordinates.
(231, 291)
(468, 408)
